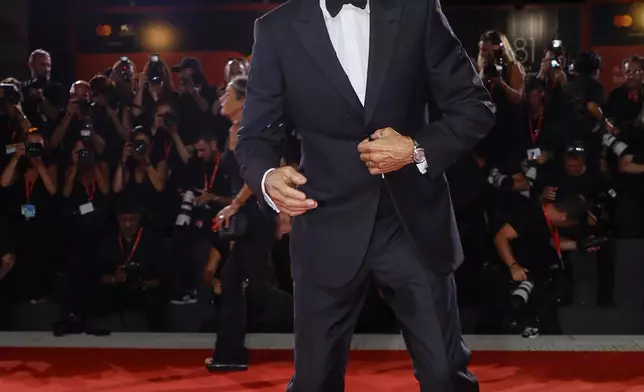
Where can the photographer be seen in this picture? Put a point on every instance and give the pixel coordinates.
(77, 123)
(528, 243)
(583, 97)
(14, 125)
(29, 181)
(121, 74)
(85, 191)
(44, 100)
(539, 131)
(552, 75)
(155, 85)
(130, 266)
(206, 190)
(105, 118)
(575, 178)
(195, 98)
(504, 77)
(624, 103)
(141, 176)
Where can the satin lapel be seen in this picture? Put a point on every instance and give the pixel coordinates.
(311, 29)
(385, 19)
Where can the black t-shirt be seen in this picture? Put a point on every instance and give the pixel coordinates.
(148, 253)
(191, 117)
(532, 248)
(589, 184)
(36, 194)
(104, 126)
(538, 132)
(199, 175)
(623, 107)
(55, 94)
(500, 143)
(84, 193)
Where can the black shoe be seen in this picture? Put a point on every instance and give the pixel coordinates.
(223, 367)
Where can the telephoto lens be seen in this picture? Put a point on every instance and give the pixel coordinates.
(185, 213)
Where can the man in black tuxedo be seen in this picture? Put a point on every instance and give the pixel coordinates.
(371, 199)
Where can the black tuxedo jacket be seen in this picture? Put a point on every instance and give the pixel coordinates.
(414, 60)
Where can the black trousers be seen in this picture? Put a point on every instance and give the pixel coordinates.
(423, 301)
(244, 276)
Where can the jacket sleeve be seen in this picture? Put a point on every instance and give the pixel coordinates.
(459, 93)
(260, 138)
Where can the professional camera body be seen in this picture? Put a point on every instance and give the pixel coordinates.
(38, 83)
(156, 70)
(10, 94)
(495, 69)
(170, 120)
(34, 150)
(140, 148)
(127, 74)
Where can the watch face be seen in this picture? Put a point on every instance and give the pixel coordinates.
(419, 155)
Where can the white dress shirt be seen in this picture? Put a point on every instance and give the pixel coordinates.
(349, 34)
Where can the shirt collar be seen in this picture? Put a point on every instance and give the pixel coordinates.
(328, 16)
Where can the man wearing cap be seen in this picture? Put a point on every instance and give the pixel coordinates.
(370, 200)
(195, 98)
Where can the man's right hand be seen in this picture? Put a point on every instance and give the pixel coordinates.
(280, 187)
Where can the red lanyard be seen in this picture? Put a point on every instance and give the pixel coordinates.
(136, 244)
(534, 132)
(554, 232)
(634, 96)
(168, 147)
(90, 192)
(29, 187)
(207, 186)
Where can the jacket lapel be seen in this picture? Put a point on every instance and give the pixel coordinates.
(385, 18)
(311, 29)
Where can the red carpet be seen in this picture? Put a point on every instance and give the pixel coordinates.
(108, 370)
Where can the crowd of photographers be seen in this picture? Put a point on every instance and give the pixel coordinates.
(560, 173)
(110, 190)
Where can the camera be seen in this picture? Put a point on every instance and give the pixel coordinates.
(38, 83)
(34, 150)
(156, 71)
(169, 120)
(126, 69)
(521, 294)
(493, 70)
(10, 94)
(84, 107)
(84, 156)
(140, 147)
(185, 213)
(499, 180)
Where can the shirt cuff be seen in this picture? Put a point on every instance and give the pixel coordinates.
(422, 167)
(268, 200)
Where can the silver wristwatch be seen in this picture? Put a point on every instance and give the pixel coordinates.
(418, 154)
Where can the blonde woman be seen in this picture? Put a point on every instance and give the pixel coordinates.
(504, 77)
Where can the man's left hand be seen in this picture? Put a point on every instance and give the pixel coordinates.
(388, 151)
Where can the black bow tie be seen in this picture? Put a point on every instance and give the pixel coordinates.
(334, 6)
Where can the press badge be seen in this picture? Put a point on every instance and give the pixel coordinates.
(28, 211)
(86, 208)
(534, 154)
